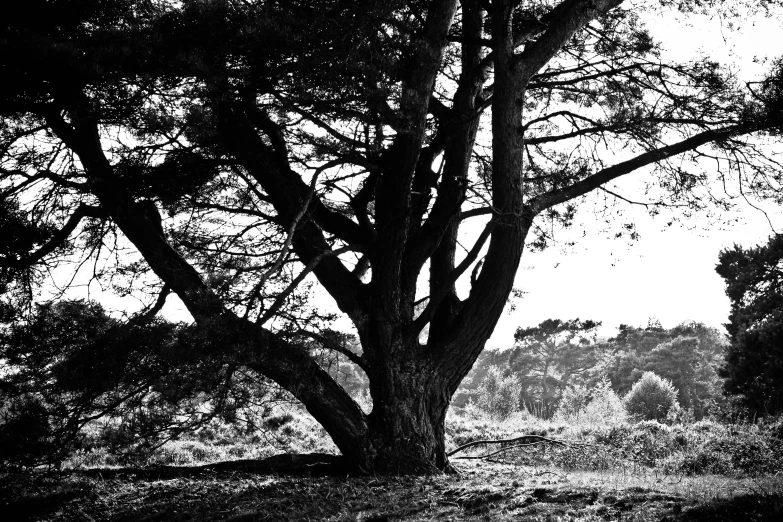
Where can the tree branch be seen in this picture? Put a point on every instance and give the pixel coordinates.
(58, 238)
(608, 174)
(354, 358)
(272, 311)
(429, 312)
(529, 440)
(146, 316)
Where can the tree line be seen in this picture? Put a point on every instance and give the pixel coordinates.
(557, 355)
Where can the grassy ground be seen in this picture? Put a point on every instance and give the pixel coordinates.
(482, 491)
(612, 470)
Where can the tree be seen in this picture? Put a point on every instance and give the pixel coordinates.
(651, 398)
(753, 365)
(553, 352)
(499, 395)
(231, 152)
(688, 355)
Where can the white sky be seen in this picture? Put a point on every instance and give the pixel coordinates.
(668, 274)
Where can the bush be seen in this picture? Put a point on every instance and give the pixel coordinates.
(651, 398)
(26, 438)
(605, 407)
(573, 401)
(498, 395)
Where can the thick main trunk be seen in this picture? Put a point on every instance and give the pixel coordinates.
(407, 429)
(405, 433)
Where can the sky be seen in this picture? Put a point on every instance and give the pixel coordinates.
(667, 274)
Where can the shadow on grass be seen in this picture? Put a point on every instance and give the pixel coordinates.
(42, 495)
(309, 464)
(27, 497)
(744, 508)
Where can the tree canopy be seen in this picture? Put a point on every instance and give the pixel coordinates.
(551, 353)
(753, 364)
(232, 152)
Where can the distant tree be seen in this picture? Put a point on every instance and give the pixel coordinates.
(687, 355)
(551, 354)
(497, 394)
(753, 365)
(604, 406)
(692, 370)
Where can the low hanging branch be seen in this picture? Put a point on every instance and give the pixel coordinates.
(524, 440)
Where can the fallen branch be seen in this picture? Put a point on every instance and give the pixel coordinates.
(501, 450)
(530, 440)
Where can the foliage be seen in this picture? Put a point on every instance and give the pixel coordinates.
(489, 359)
(498, 395)
(605, 407)
(651, 398)
(548, 356)
(26, 438)
(687, 355)
(753, 365)
(70, 363)
(598, 406)
(573, 401)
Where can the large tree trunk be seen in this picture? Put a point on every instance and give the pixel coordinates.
(407, 428)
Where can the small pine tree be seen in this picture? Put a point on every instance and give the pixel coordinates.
(498, 395)
(651, 398)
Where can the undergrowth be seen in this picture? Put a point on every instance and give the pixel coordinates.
(698, 448)
(705, 447)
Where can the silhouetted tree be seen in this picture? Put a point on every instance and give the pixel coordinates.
(224, 151)
(753, 364)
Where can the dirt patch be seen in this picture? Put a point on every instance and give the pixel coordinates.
(483, 491)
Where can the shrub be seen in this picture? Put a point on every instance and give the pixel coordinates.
(26, 438)
(573, 401)
(498, 395)
(605, 407)
(278, 421)
(651, 398)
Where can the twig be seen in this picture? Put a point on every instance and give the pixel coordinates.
(270, 313)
